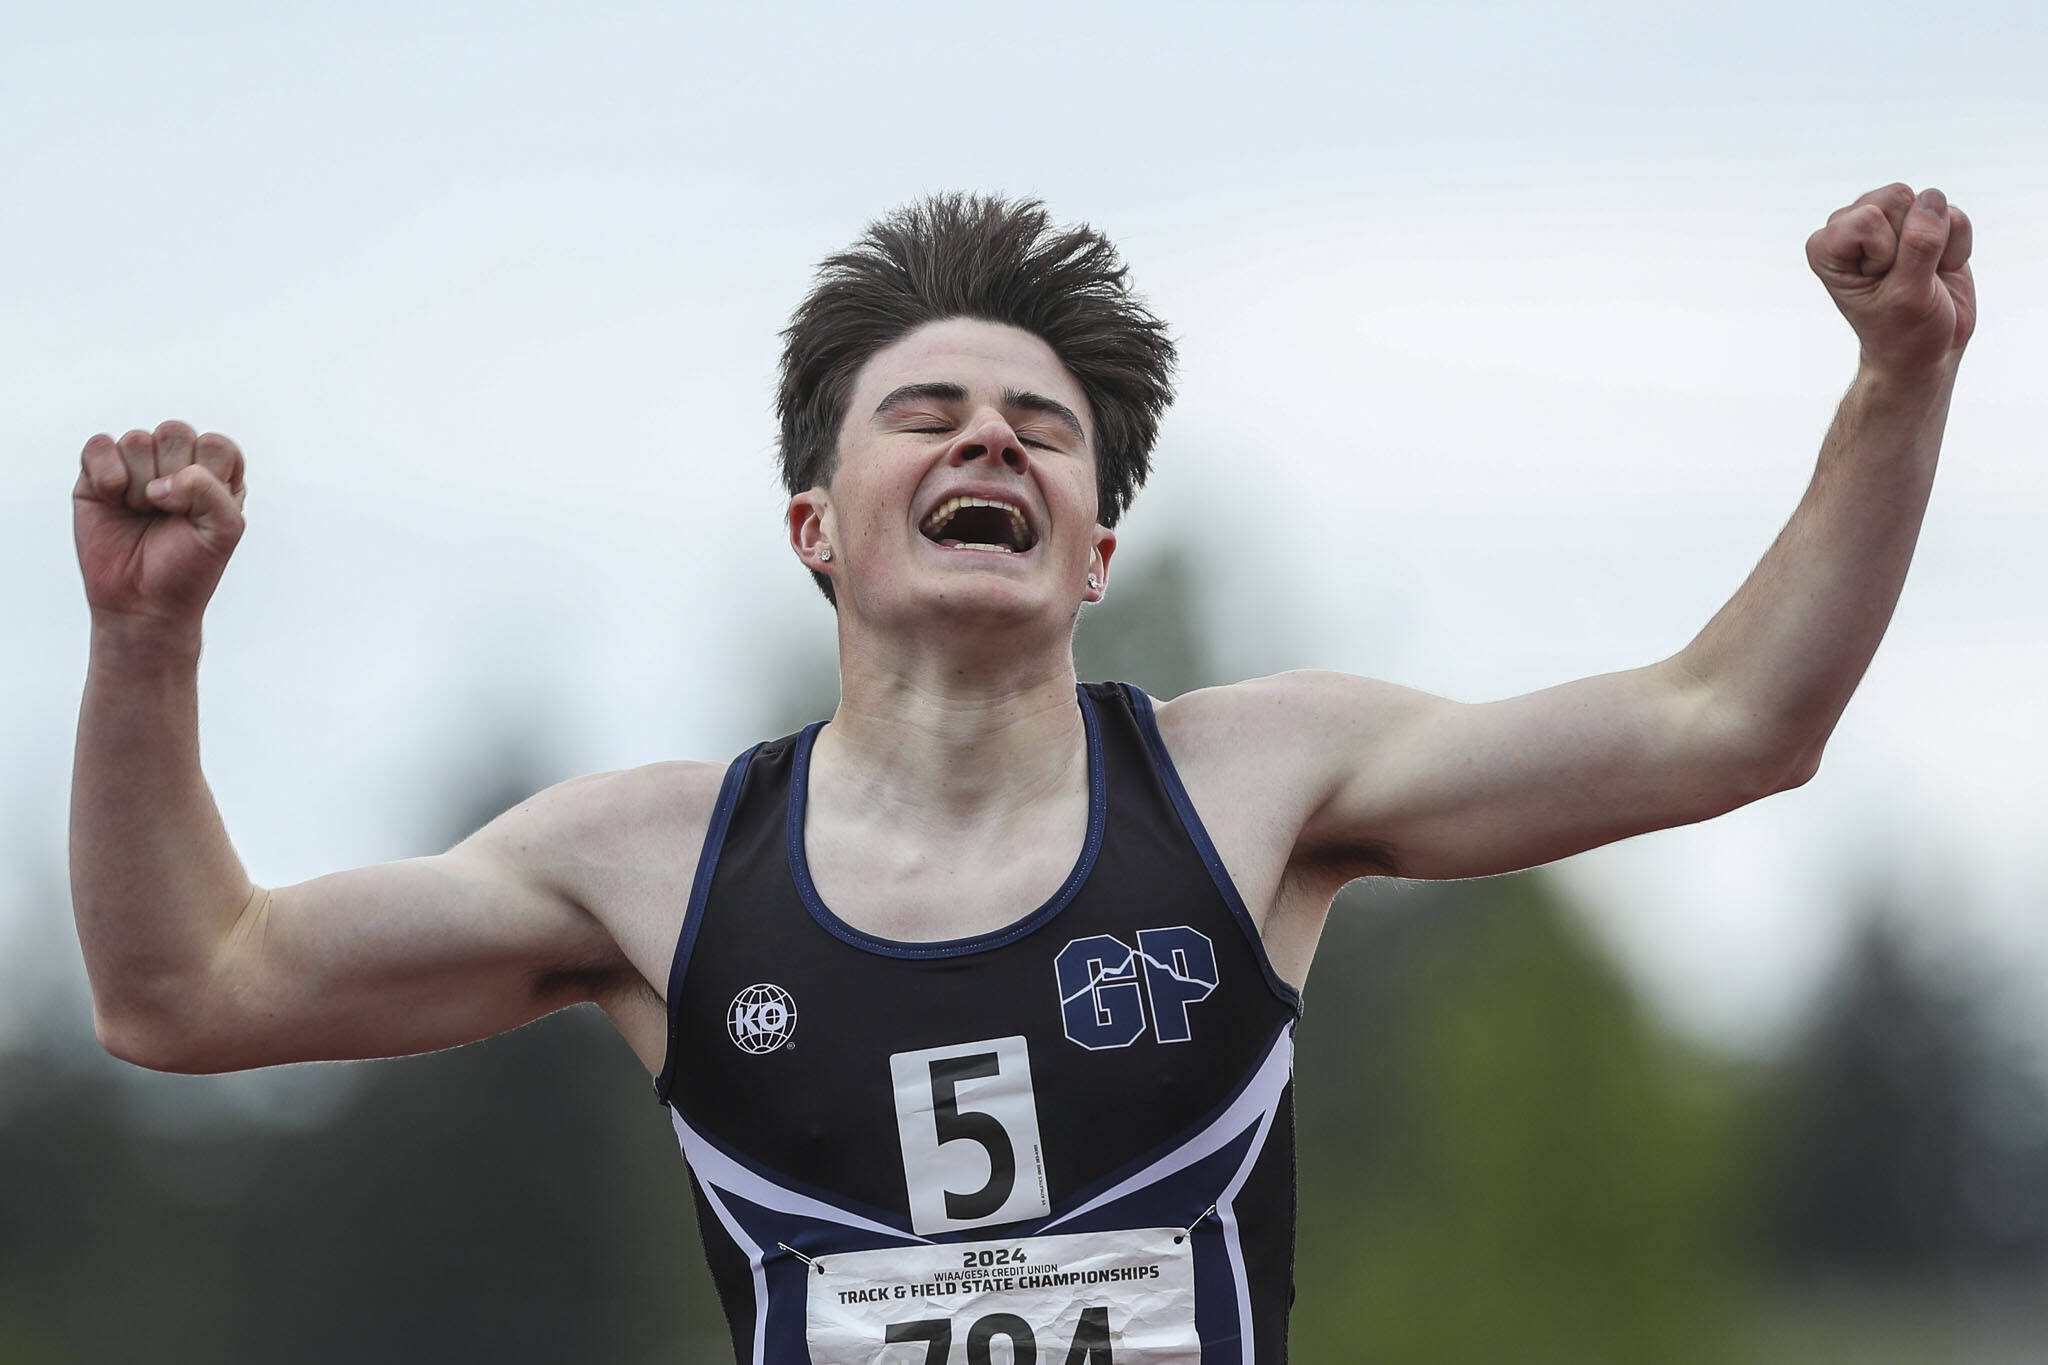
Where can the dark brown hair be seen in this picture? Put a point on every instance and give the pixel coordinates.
(978, 256)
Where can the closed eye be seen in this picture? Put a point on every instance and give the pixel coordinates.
(941, 431)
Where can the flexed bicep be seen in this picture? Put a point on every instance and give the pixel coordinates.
(404, 957)
(1381, 779)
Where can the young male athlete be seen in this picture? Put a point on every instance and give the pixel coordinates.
(972, 1008)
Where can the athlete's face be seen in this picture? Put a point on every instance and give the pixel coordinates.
(960, 408)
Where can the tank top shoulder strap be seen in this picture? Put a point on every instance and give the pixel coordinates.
(1134, 708)
(700, 891)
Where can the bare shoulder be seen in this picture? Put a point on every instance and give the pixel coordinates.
(621, 844)
(625, 845)
(1274, 736)
(1295, 707)
(607, 814)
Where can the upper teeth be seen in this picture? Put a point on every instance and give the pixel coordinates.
(936, 519)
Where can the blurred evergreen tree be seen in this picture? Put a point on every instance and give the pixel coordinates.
(1501, 1157)
(1914, 1136)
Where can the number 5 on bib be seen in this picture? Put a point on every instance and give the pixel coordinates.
(969, 1125)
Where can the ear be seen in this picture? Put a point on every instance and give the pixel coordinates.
(810, 528)
(1098, 563)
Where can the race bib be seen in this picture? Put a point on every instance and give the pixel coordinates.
(1098, 1298)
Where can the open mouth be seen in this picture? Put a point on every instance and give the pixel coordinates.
(978, 524)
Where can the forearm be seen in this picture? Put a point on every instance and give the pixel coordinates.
(1788, 650)
(155, 883)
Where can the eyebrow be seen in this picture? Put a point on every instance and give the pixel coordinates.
(1016, 400)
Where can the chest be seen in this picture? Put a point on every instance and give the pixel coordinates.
(897, 881)
(1066, 1042)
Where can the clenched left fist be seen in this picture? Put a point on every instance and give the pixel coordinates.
(1898, 266)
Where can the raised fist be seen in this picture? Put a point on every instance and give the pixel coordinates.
(156, 515)
(1898, 266)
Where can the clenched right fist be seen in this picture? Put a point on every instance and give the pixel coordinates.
(156, 515)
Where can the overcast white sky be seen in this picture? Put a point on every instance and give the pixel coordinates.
(1502, 366)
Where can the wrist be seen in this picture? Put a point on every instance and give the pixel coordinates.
(144, 642)
(1923, 385)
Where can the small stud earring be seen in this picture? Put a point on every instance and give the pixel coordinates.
(825, 554)
(1093, 584)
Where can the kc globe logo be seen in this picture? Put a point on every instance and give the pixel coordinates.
(762, 1018)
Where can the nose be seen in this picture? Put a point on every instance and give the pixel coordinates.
(988, 437)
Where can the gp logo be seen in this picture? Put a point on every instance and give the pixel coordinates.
(1105, 984)
(762, 1018)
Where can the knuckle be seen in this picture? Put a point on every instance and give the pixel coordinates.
(173, 445)
(218, 453)
(101, 459)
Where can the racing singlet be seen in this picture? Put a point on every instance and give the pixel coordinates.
(1069, 1141)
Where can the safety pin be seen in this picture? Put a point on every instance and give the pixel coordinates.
(1189, 1230)
(818, 1265)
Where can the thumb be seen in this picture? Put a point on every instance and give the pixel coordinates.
(196, 493)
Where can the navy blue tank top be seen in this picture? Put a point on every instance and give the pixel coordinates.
(1068, 1141)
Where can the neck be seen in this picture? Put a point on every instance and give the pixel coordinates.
(953, 735)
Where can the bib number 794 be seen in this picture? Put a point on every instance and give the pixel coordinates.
(1090, 1346)
(968, 1121)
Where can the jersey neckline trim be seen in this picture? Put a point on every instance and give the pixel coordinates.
(800, 869)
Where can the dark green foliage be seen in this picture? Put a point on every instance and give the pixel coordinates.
(1912, 1135)
(1506, 1160)
(520, 1199)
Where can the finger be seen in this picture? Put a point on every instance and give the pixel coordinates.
(1853, 247)
(102, 472)
(194, 492)
(222, 456)
(1925, 236)
(1893, 200)
(1958, 249)
(174, 442)
(138, 454)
